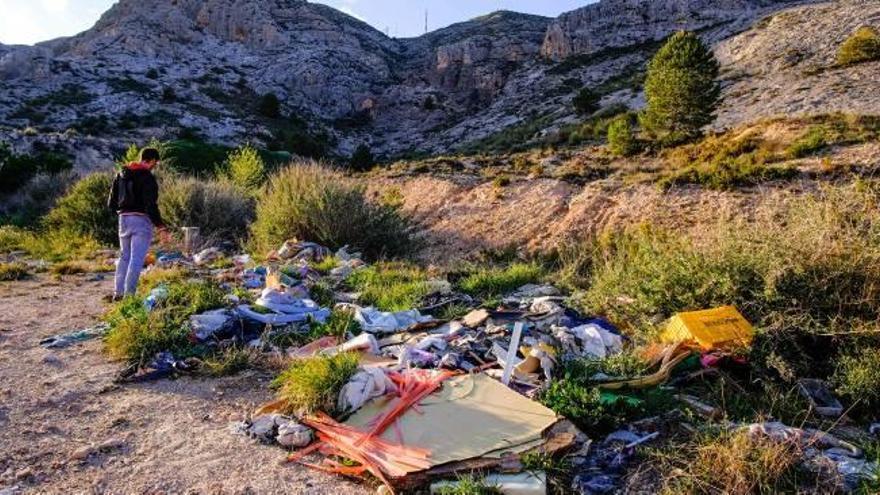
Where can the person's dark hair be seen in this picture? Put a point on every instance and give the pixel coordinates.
(149, 155)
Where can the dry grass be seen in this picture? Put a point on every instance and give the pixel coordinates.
(733, 463)
(13, 271)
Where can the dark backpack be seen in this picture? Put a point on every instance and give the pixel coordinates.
(125, 195)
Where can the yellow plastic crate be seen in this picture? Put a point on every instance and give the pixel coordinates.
(722, 327)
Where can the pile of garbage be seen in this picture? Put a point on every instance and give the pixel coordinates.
(433, 399)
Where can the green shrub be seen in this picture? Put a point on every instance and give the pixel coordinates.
(722, 162)
(11, 238)
(313, 384)
(16, 170)
(53, 245)
(493, 282)
(83, 210)
(810, 143)
(621, 137)
(311, 202)
(29, 203)
(193, 157)
(681, 89)
(362, 159)
(857, 377)
(220, 210)
(136, 335)
(245, 168)
(586, 101)
(390, 286)
(861, 46)
(13, 271)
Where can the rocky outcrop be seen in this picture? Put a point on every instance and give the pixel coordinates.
(153, 69)
(622, 23)
(786, 65)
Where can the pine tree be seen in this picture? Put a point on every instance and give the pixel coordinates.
(621, 137)
(362, 159)
(270, 106)
(586, 101)
(681, 89)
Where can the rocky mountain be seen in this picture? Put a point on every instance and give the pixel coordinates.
(160, 68)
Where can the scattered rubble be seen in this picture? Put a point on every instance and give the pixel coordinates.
(434, 398)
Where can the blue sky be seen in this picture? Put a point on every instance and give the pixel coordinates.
(30, 21)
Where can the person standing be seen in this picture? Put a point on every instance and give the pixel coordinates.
(135, 197)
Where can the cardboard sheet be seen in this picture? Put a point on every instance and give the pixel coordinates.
(471, 416)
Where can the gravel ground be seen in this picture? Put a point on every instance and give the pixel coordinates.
(66, 428)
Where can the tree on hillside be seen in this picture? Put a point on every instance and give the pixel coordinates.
(586, 101)
(621, 137)
(681, 89)
(362, 159)
(270, 106)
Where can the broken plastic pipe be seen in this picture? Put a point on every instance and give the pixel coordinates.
(511, 353)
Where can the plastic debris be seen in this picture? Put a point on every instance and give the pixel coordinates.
(206, 325)
(822, 449)
(320, 315)
(821, 399)
(722, 327)
(75, 337)
(380, 322)
(155, 297)
(206, 256)
(528, 483)
(367, 383)
(273, 427)
(364, 342)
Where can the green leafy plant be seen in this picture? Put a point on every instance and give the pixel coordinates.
(220, 210)
(857, 377)
(13, 271)
(136, 335)
(469, 485)
(810, 143)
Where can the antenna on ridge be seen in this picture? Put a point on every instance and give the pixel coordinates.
(426, 21)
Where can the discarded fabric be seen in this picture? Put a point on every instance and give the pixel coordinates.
(369, 382)
(70, 338)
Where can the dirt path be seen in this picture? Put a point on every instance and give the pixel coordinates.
(65, 428)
